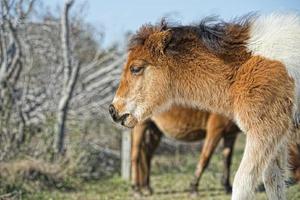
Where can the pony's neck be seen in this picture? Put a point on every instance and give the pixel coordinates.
(205, 84)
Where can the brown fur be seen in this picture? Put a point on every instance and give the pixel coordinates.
(179, 67)
(294, 161)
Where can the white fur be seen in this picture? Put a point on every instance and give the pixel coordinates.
(116, 99)
(277, 37)
(239, 123)
(130, 106)
(274, 176)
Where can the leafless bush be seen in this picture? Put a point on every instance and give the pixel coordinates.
(36, 76)
(53, 71)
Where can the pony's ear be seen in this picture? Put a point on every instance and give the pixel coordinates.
(162, 42)
(165, 37)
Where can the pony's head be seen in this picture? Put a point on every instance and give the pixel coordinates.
(145, 82)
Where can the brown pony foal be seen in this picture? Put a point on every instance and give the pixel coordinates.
(184, 124)
(248, 70)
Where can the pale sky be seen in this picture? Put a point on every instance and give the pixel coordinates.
(116, 17)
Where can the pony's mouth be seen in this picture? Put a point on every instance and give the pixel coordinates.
(123, 118)
(128, 120)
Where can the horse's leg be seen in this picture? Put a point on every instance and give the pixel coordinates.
(142, 169)
(294, 161)
(297, 164)
(150, 143)
(259, 151)
(215, 128)
(136, 149)
(229, 140)
(274, 175)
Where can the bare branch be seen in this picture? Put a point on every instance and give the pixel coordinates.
(70, 79)
(65, 39)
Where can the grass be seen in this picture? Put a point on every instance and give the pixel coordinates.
(170, 180)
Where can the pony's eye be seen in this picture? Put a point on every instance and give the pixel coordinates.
(136, 70)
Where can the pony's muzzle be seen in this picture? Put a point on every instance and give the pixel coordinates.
(126, 119)
(115, 115)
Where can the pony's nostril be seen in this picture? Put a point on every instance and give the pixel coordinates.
(112, 110)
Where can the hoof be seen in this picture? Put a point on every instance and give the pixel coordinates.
(194, 194)
(228, 189)
(194, 189)
(147, 191)
(137, 194)
(226, 184)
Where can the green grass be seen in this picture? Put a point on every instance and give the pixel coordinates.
(170, 180)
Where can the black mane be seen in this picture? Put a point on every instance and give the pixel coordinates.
(217, 35)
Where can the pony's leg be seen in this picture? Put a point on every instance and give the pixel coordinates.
(259, 151)
(229, 140)
(215, 128)
(274, 175)
(151, 141)
(137, 138)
